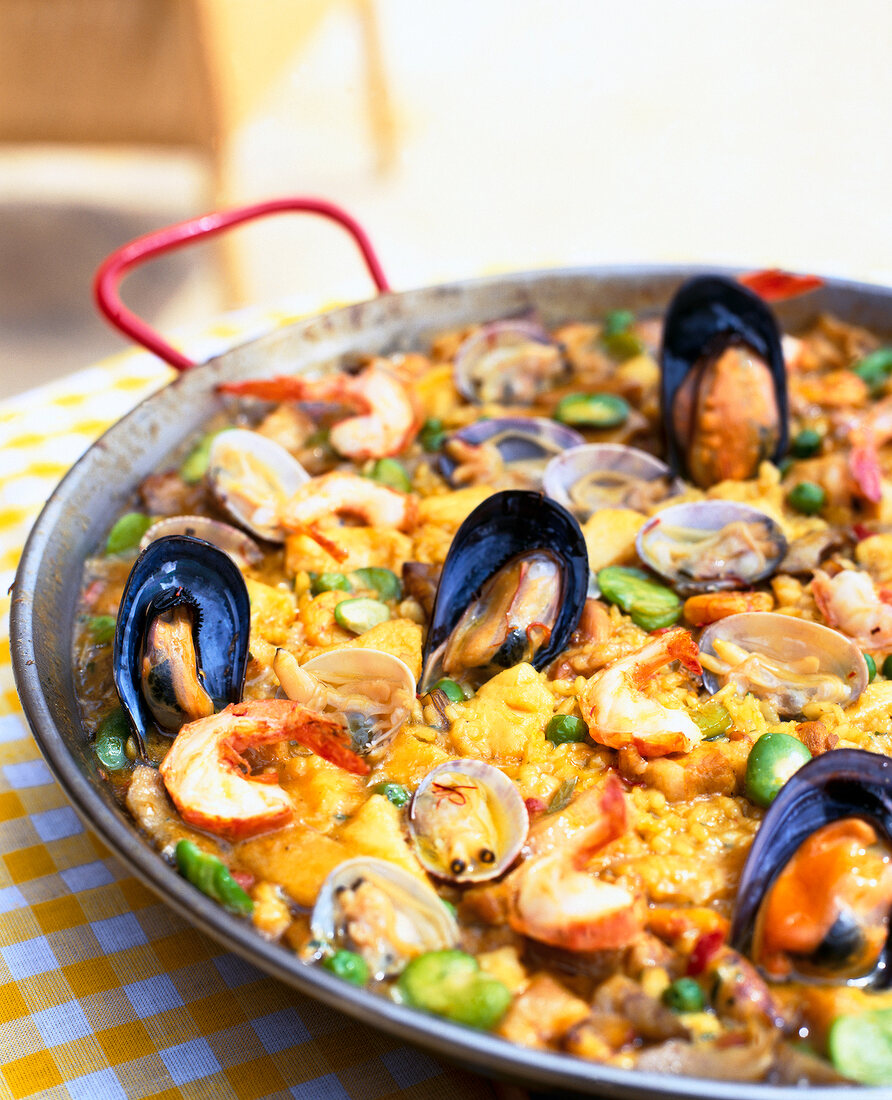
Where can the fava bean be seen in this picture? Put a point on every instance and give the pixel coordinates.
(650, 605)
(361, 614)
(212, 877)
(451, 984)
(860, 1046)
(772, 760)
(592, 410)
(127, 532)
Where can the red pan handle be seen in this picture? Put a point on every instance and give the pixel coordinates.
(116, 266)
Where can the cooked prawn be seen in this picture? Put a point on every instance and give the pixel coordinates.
(553, 899)
(617, 712)
(211, 783)
(870, 432)
(853, 604)
(388, 419)
(342, 494)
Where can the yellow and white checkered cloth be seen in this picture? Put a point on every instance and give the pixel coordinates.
(105, 994)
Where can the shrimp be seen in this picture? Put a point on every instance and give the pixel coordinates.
(870, 432)
(618, 714)
(851, 603)
(388, 420)
(553, 899)
(343, 494)
(210, 782)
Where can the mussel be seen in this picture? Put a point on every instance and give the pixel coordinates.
(787, 661)
(508, 363)
(181, 640)
(815, 898)
(724, 388)
(251, 476)
(587, 478)
(381, 912)
(468, 821)
(373, 692)
(708, 545)
(512, 589)
(525, 446)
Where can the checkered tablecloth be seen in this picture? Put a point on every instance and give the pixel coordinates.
(105, 993)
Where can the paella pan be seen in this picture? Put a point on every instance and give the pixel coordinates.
(565, 679)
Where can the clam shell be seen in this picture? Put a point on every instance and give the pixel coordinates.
(489, 366)
(174, 570)
(421, 917)
(672, 533)
(785, 639)
(525, 443)
(437, 818)
(838, 784)
(251, 476)
(240, 547)
(621, 466)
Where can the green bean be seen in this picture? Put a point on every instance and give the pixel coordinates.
(561, 797)
(361, 614)
(649, 605)
(771, 762)
(127, 532)
(860, 1046)
(713, 719)
(566, 729)
(212, 877)
(451, 984)
(349, 966)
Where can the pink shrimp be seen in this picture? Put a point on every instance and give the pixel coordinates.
(388, 420)
(870, 432)
(342, 494)
(852, 604)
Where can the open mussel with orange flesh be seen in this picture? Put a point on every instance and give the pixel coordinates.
(181, 640)
(815, 898)
(724, 387)
(512, 589)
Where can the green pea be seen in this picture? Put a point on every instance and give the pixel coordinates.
(649, 605)
(860, 1046)
(566, 729)
(772, 760)
(110, 744)
(785, 465)
(592, 410)
(875, 368)
(622, 345)
(127, 532)
(684, 995)
(618, 320)
(393, 792)
(452, 690)
(329, 582)
(887, 667)
(871, 668)
(806, 443)
(361, 614)
(195, 464)
(432, 435)
(212, 877)
(102, 627)
(383, 581)
(451, 984)
(713, 719)
(349, 966)
(391, 473)
(807, 497)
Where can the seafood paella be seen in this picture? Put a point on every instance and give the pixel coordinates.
(537, 679)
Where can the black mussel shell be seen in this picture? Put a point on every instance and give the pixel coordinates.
(177, 570)
(842, 783)
(505, 525)
(706, 312)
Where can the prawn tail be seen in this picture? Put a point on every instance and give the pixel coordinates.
(775, 285)
(325, 737)
(612, 822)
(281, 388)
(864, 465)
(682, 647)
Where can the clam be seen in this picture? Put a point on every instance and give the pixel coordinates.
(512, 589)
(373, 691)
(815, 897)
(181, 640)
(787, 661)
(509, 363)
(525, 445)
(707, 545)
(468, 821)
(252, 476)
(381, 912)
(724, 385)
(243, 550)
(608, 475)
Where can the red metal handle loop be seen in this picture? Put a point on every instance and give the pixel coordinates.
(130, 255)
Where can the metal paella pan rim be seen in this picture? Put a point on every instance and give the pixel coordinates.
(99, 487)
